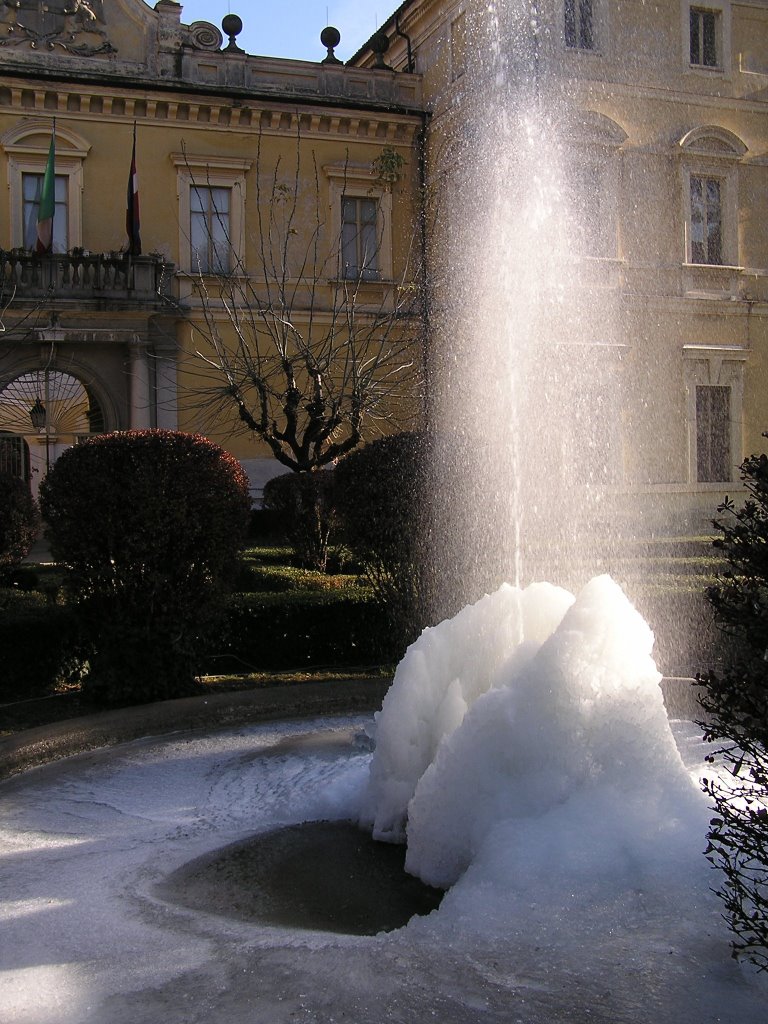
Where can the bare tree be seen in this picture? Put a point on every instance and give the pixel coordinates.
(309, 352)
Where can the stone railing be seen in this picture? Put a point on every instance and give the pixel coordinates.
(25, 275)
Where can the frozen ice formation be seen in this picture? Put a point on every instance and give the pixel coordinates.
(530, 729)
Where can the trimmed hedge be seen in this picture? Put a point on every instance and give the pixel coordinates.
(37, 639)
(303, 630)
(381, 503)
(19, 520)
(149, 524)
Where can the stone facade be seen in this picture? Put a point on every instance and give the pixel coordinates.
(110, 338)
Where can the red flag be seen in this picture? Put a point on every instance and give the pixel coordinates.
(132, 222)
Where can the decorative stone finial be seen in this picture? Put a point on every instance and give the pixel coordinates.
(330, 37)
(380, 44)
(232, 26)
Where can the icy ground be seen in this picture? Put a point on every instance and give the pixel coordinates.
(83, 938)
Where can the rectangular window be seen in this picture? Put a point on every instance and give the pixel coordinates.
(209, 229)
(704, 31)
(579, 32)
(713, 433)
(706, 220)
(458, 47)
(32, 187)
(359, 238)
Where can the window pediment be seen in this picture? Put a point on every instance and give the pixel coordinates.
(597, 129)
(711, 141)
(31, 137)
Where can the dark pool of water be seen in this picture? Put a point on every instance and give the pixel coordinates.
(320, 875)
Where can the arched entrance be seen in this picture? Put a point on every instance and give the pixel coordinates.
(47, 411)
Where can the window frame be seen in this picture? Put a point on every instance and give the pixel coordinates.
(711, 152)
(704, 207)
(597, 152)
(578, 7)
(27, 146)
(60, 207)
(714, 366)
(355, 182)
(715, 449)
(211, 172)
(215, 263)
(457, 35)
(721, 11)
(363, 268)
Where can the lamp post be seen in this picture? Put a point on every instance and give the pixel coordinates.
(38, 414)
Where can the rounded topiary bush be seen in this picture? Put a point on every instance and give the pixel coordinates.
(19, 520)
(148, 525)
(381, 506)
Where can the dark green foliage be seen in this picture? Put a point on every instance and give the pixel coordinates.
(736, 702)
(37, 639)
(302, 630)
(19, 520)
(381, 505)
(304, 505)
(148, 525)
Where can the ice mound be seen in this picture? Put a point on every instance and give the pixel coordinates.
(529, 733)
(441, 675)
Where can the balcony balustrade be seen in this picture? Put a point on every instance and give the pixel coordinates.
(84, 276)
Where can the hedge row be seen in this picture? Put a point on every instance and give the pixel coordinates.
(262, 632)
(300, 630)
(36, 638)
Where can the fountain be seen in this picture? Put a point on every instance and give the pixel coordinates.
(523, 750)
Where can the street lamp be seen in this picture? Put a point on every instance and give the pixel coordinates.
(38, 414)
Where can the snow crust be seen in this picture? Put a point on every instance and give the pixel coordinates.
(528, 737)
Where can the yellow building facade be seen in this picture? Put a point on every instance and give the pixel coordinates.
(274, 172)
(272, 190)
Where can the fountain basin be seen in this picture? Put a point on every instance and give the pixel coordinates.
(86, 841)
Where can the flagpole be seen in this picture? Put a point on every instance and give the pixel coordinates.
(132, 219)
(46, 210)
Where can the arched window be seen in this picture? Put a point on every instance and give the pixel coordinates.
(27, 145)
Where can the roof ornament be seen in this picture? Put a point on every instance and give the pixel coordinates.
(233, 26)
(379, 43)
(330, 37)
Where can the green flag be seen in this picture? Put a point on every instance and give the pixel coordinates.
(47, 201)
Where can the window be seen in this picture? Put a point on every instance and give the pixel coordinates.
(209, 229)
(593, 209)
(458, 47)
(579, 30)
(704, 31)
(714, 385)
(211, 213)
(359, 238)
(706, 36)
(32, 187)
(706, 220)
(713, 433)
(709, 168)
(27, 145)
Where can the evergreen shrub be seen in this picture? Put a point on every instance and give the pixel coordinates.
(148, 524)
(302, 630)
(381, 503)
(38, 641)
(735, 700)
(19, 520)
